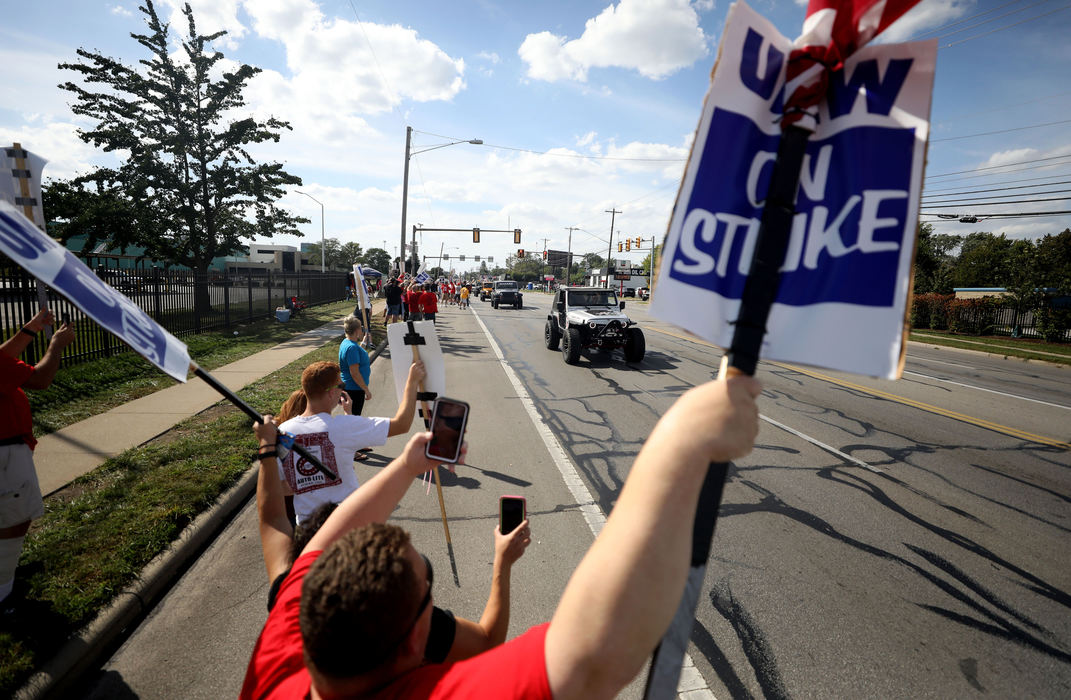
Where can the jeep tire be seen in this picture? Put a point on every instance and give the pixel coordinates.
(571, 346)
(551, 335)
(635, 345)
(517, 305)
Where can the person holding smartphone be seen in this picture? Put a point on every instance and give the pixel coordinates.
(613, 612)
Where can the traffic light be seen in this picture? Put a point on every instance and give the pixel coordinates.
(620, 247)
(628, 244)
(475, 235)
(544, 255)
(516, 236)
(639, 241)
(520, 253)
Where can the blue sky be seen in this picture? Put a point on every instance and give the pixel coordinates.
(601, 100)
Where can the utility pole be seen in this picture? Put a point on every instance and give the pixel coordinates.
(543, 265)
(569, 254)
(612, 212)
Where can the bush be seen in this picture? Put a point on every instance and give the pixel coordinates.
(930, 311)
(972, 316)
(1052, 323)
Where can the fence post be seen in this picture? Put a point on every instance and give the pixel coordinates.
(249, 282)
(226, 298)
(156, 292)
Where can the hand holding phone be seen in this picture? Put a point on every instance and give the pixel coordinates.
(512, 510)
(448, 421)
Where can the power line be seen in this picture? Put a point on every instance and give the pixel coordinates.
(1009, 26)
(994, 167)
(938, 30)
(996, 204)
(1021, 215)
(998, 196)
(1026, 179)
(1014, 105)
(1000, 131)
(991, 19)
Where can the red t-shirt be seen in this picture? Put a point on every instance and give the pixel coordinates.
(15, 418)
(429, 302)
(516, 669)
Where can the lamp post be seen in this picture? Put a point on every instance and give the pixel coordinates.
(323, 241)
(405, 186)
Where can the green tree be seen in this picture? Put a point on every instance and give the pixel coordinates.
(377, 259)
(1054, 261)
(983, 261)
(333, 257)
(185, 172)
(934, 261)
(349, 254)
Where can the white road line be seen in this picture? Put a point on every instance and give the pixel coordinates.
(692, 685)
(991, 391)
(819, 443)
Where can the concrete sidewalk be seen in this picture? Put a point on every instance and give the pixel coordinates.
(63, 456)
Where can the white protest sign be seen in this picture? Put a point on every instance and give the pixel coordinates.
(22, 186)
(401, 356)
(362, 291)
(57, 267)
(845, 279)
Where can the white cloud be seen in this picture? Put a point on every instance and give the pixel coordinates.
(57, 142)
(1015, 156)
(211, 16)
(120, 10)
(586, 139)
(707, 5)
(924, 16)
(491, 57)
(654, 37)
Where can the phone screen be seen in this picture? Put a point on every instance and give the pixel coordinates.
(511, 513)
(447, 429)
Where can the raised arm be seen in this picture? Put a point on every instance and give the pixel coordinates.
(276, 533)
(403, 419)
(473, 638)
(377, 498)
(16, 344)
(625, 591)
(45, 370)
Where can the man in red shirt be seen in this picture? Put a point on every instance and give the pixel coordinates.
(352, 618)
(20, 494)
(428, 303)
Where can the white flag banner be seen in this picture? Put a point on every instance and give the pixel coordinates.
(57, 267)
(842, 300)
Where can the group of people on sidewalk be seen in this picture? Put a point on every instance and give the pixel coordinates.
(420, 302)
(351, 602)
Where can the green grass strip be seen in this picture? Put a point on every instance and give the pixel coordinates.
(1024, 348)
(98, 533)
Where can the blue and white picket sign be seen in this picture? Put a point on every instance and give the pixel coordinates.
(846, 276)
(57, 267)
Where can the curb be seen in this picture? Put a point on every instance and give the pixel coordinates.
(986, 353)
(99, 639)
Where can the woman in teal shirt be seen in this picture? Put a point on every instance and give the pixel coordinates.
(355, 364)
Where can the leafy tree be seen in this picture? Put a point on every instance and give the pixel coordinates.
(186, 175)
(377, 259)
(333, 257)
(1054, 261)
(983, 261)
(934, 261)
(349, 254)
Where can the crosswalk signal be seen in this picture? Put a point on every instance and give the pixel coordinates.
(475, 235)
(520, 253)
(628, 244)
(516, 236)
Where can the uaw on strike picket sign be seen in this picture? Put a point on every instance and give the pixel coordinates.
(57, 267)
(846, 274)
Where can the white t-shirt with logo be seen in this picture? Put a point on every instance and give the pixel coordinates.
(333, 440)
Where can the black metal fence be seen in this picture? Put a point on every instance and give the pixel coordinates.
(183, 302)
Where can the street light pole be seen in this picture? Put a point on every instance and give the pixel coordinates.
(323, 241)
(612, 212)
(405, 187)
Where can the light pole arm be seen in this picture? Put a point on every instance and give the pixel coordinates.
(323, 240)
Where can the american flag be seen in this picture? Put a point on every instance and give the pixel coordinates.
(833, 30)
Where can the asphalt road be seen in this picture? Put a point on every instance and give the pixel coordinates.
(884, 539)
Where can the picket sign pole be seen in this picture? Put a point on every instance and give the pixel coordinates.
(760, 291)
(438, 480)
(252, 413)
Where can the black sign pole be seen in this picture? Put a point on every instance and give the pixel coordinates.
(760, 290)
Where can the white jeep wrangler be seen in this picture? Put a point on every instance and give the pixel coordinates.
(591, 317)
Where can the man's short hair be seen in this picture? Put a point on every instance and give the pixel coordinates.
(319, 377)
(357, 600)
(351, 324)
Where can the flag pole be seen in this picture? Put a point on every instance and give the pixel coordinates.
(760, 291)
(257, 417)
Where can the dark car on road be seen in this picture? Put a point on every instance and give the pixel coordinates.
(507, 293)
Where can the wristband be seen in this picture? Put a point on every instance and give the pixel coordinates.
(32, 334)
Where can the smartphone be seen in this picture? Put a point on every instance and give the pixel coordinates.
(448, 420)
(512, 510)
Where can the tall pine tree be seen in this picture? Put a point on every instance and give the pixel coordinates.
(186, 180)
